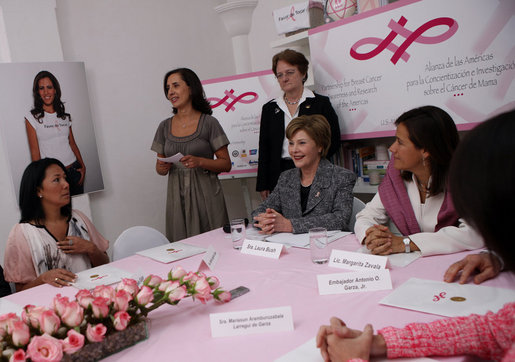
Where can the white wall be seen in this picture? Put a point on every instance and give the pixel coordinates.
(127, 47)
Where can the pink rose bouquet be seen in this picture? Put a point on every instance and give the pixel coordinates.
(50, 333)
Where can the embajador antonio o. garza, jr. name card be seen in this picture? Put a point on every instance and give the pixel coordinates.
(363, 281)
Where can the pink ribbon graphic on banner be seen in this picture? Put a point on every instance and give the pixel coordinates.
(229, 95)
(399, 29)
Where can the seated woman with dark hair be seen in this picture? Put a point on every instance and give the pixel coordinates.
(485, 150)
(52, 242)
(315, 193)
(412, 210)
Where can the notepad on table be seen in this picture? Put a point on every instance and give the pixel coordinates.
(171, 252)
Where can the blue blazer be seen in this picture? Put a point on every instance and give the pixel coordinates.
(329, 202)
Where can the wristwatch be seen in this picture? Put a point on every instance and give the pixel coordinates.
(406, 242)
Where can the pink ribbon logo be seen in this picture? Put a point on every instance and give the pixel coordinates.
(229, 96)
(399, 29)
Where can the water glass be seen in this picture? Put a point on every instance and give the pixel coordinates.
(320, 250)
(237, 233)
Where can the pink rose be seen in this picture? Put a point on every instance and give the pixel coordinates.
(45, 348)
(152, 281)
(49, 322)
(85, 298)
(175, 292)
(144, 296)
(213, 282)
(176, 273)
(121, 300)
(31, 314)
(72, 315)
(165, 284)
(121, 320)
(73, 342)
(20, 333)
(7, 319)
(223, 297)
(202, 287)
(60, 304)
(191, 277)
(104, 291)
(100, 307)
(18, 356)
(129, 285)
(96, 333)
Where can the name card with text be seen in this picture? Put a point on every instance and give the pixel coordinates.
(363, 281)
(262, 248)
(210, 258)
(356, 261)
(251, 321)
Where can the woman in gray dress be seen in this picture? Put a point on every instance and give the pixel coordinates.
(315, 193)
(195, 201)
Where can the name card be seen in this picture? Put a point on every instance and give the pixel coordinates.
(251, 321)
(210, 258)
(356, 261)
(363, 281)
(262, 248)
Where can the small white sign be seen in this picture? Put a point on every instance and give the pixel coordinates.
(261, 248)
(363, 281)
(210, 258)
(251, 321)
(356, 261)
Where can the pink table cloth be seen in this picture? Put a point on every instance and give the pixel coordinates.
(183, 333)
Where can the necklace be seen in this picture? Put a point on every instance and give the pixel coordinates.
(290, 102)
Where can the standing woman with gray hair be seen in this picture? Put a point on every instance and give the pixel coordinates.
(291, 70)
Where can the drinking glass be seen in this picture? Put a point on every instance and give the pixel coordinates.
(237, 233)
(320, 250)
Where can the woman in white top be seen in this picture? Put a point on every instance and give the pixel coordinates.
(413, 210)
(49, 130)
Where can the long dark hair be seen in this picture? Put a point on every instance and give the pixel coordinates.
(482, 178)
(38, 111)
(198, 97)
(32, 179)
(432, 129)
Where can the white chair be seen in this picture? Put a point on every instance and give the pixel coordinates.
(137, 238)
(357, 206)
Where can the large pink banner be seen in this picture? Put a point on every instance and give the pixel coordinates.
(236, 102)
(455, 54)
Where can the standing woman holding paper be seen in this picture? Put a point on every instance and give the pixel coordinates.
(291, 70)
(195, 200)
(49, 130)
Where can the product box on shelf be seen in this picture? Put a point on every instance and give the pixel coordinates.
(300, 16)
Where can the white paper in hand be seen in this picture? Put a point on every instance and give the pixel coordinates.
(172, 159)
(448, 299)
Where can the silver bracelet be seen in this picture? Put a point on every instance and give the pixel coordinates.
(491, 252)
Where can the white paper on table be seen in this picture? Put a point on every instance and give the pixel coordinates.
(6, 306)
(398, 259)
(100, 275)
(168, 253)
(302, 240)
(436, 297)
(172, 159)
(308, 352)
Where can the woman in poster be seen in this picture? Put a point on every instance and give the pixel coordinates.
(291, 70)
(49, 130)
(195, 200)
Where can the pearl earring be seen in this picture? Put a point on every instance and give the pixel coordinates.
(40, 196)
(424, 162)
